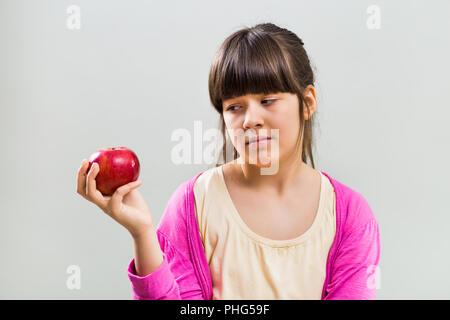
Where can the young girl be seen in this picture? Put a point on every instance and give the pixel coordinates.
(234, 232)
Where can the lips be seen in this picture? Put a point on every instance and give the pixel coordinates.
(257, 139)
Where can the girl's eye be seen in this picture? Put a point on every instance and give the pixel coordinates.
(269, 102)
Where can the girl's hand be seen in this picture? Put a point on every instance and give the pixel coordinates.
(126, 205)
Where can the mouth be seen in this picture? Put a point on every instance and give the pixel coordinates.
(258, 140)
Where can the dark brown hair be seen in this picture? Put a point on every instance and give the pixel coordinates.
(262, 59)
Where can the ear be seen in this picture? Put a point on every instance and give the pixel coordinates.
(310, 96)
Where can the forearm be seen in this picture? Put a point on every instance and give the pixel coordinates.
(147, 253)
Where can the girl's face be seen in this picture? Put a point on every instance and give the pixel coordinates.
(275, 115)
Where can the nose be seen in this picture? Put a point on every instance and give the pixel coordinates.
(253, 116)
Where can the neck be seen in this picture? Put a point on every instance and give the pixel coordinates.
(291, 175)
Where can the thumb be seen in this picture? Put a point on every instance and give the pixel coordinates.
(116, 200)
(135, 184)
(126, 188)
(131, 186)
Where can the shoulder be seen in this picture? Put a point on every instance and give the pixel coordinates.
(179, 214)
(352, 208)
(202, 180)
(180, 203)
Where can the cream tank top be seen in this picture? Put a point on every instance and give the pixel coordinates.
(245, 265)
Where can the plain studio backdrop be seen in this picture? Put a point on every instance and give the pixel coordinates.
(132, 73)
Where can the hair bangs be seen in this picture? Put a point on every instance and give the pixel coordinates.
(252, 64)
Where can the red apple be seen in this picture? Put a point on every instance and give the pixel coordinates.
(118, 166)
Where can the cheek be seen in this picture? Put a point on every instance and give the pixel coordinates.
(290, 135)
(288, 130)
(236, 136)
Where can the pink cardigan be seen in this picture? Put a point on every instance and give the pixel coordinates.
(351, 267)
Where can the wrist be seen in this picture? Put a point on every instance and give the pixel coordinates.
(142, 233)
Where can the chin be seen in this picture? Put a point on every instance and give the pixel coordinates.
(260, 160)
(264, 165)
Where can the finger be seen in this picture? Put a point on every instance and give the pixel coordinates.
(91, 186)
(81, 177)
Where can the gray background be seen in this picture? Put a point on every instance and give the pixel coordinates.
(137, 71)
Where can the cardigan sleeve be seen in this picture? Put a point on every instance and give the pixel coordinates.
(355, 269)
(175, 278)
(158, 285)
